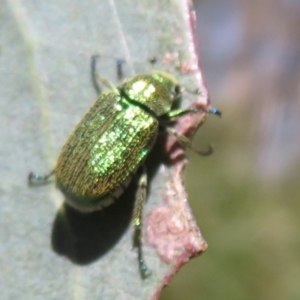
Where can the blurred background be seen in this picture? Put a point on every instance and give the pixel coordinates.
(249, 210)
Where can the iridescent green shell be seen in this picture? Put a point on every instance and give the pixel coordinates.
(112, 140)
(104, 151)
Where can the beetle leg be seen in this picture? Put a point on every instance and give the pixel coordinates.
(141, 197)
(120, 71)
(174, 114)
(96, 78)
(186, 142)
(94, 73)
(37, 179)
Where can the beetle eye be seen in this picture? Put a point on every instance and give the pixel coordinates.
(177, 89)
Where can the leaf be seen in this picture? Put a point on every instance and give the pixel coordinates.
(48, 250)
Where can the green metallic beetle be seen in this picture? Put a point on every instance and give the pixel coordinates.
(112, 141)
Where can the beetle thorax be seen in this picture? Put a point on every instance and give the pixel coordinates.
(150, 91)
